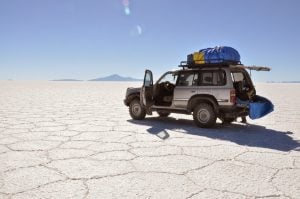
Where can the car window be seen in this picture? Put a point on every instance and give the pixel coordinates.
(148, 80)
(188, 79)
(237, 76)
(241, 77)
(213, 78)
(169, 77)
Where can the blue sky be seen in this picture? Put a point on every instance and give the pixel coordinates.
(85, 39)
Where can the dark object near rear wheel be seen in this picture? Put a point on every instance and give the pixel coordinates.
(227, 120)
(204, 115)
(163, 114)
(136, 111)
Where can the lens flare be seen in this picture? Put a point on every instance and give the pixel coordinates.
(126, 7)
(139, 29)
(127, 10)
(136, 31)
(125, 3)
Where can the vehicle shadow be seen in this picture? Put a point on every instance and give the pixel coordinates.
(248, 135)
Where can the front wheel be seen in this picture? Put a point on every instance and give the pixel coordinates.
(136, 110)
(204, 116)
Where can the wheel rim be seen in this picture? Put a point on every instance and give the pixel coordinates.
(203, 115)
(136, 109)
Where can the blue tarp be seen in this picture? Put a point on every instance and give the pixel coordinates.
(220, 54)
(260, 107)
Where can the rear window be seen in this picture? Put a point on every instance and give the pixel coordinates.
(213, 78)
(237, 76)
(188, 79)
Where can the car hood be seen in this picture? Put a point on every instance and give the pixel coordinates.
(132, 90)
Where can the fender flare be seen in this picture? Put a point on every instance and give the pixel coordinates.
(193, 101)
(132, 97)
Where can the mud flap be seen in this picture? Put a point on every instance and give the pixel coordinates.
(260, 107)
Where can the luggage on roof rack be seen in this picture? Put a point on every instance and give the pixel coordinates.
(216, 55)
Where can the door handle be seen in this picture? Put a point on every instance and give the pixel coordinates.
(193, 91)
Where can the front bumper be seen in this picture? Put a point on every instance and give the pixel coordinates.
(125, 101)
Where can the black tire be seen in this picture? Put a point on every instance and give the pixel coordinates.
(163, 114)
(136, 110)
(204, 116)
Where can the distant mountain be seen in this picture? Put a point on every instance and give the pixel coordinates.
(291, 82)
(116, 77)
(283, 81)
(67, 80)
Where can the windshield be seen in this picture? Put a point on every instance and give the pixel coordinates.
(168, 77)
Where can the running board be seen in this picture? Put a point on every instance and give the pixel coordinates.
(170, 110)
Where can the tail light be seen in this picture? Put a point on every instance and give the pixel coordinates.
(232, 96)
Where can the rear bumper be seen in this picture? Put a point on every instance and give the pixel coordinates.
(233, 111)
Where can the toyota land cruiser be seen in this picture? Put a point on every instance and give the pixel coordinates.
(207, 92)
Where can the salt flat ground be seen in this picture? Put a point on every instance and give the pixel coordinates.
(76, 140)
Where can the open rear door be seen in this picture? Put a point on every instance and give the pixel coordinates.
(147, 90)
(258, 68)
(251, 68)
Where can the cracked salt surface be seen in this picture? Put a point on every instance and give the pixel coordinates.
(76, 140)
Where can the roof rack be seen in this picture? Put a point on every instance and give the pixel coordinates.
(216, 63)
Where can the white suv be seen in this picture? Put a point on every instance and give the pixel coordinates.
(208, 92)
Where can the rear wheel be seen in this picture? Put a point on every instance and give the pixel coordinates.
(163, 114)
(136, 110)
(204, 116)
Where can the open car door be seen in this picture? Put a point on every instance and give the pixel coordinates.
(147, 90)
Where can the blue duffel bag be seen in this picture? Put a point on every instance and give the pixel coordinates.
(221, 54)
(218, 54)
